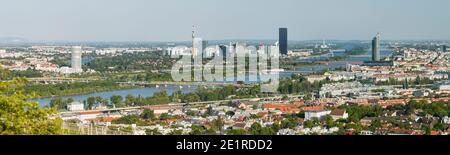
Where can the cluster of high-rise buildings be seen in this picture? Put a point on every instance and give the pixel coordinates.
(200, 46)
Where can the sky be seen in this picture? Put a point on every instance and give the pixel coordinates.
(172, 20)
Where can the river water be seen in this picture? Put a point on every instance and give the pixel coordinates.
(339, 64)
(144, 92)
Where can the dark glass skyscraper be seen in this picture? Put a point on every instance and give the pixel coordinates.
(283, 40)
(223, 49)
(376, 48)
(444, 48)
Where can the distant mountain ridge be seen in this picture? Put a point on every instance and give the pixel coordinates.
(13, 40)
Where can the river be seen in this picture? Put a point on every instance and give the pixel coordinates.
(338, 64)
(144, 92)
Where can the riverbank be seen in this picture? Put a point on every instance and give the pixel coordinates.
(91, 92)
(141, 91)
(66, 89)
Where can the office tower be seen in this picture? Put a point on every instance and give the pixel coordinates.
(193, 50)
(240, 48)
(197, 46)
(283, 40)
(275, 50)
(376, 48)
(444, 48)
(204, 46)
(223, 49)
(76, 59)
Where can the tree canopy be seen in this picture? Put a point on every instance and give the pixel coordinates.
(19, 116)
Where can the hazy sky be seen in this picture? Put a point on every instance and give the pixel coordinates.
(171, 20)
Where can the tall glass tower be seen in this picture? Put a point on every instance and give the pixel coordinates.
(283, 40)
(76, 59)
(376, 48)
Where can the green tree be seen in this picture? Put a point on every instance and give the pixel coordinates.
(58, 103)
(165, 116)
(329, 121)
(289, 123)
(237, 132)
(117, 100)
(439, 126)
(100, 101)
(69, 100)
(176, 132)
(148, 114)
(191, 97)
(158, 98)
(152, 132)
(267, 131)
(20, 117)
(276, 126)
(308, 124)
(90, 102)
(64, 89)
(427, 129)
(217, 124)
(197, 130)
(406, 84)
(129, 119)
(191, 113)
(255, 129)
(130, 100)
(375, 124)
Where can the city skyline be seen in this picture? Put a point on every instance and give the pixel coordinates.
(171, 20)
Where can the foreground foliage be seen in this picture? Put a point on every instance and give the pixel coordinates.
(18, 116)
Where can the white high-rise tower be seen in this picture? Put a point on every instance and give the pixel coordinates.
(76, 59)
(193, 50)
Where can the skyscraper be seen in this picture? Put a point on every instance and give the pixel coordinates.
(204, 46)
(197, 47)
(376, 48)
(198, 44)
(283, 40)
(444, 48)
(76, 59)
(193, 50)
(223, 49)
